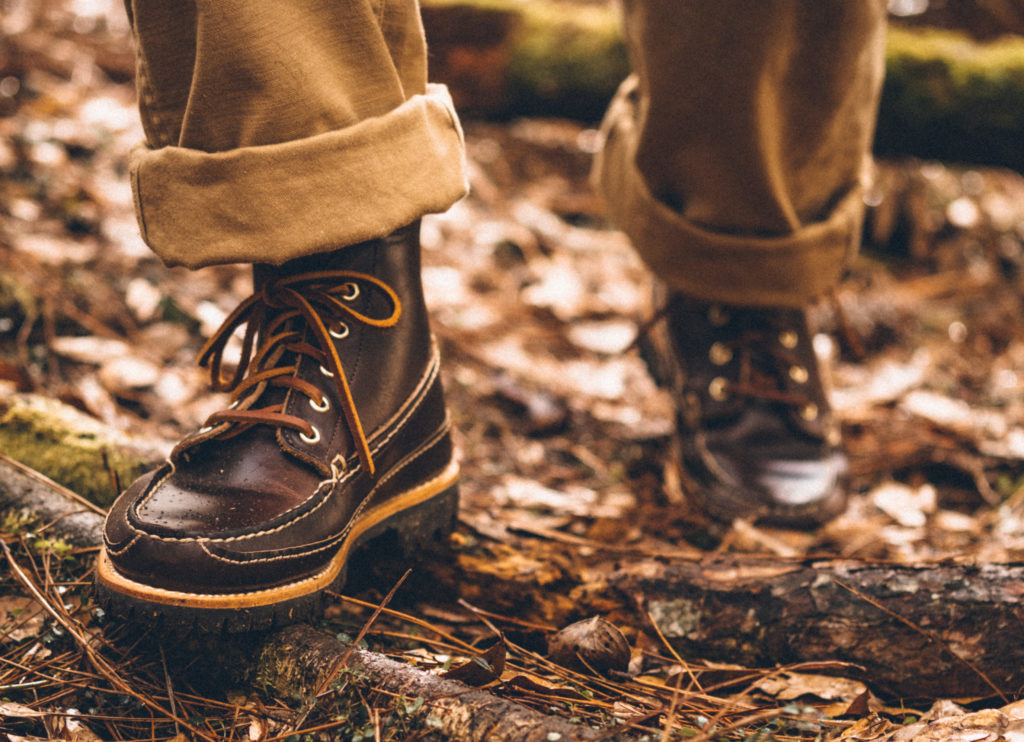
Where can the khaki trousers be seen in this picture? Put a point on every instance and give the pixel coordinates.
(734, 155)
(282, 128)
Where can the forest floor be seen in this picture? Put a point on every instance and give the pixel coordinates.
(536, 301)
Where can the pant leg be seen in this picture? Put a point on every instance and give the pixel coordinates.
(735, 154)
(281, 129)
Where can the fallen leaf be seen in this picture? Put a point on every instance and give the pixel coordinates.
(480, 670)
(789, 686)
(90, 349)
(20, 618)
(592, 644)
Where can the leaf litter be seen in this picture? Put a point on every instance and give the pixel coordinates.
(563, 434)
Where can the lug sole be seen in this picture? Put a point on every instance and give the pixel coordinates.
(421, 518)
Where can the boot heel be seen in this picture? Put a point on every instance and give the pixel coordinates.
(427, 527)
(422, 528)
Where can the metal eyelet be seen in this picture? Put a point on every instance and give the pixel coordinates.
(353, 291)
(315, 438)
(719, 389)
(834, 436)
(327, 372)
(809, 411)
(799, 374)
(341, 333)
(720, 354)
(320, 408)
(788, 339)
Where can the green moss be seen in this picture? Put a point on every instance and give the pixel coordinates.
(67, 446)
(564, 59)
(947, 97)
(571, 56)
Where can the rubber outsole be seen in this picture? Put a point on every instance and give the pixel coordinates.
(418, 520)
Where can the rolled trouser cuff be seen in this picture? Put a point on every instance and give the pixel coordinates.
(786, 270)
(277, 202)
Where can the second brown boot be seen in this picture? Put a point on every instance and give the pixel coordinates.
(756, 438)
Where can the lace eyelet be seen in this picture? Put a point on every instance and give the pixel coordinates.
(788, 339)
(327, 372)
(353, 291)
(315, 438)
(799, 374)
(320, 408)
(341, 333)
(720, 354)
(809, 412)
(719, 389)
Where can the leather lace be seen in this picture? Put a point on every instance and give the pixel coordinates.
(291, 317)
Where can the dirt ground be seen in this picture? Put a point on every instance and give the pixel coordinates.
(536, 301)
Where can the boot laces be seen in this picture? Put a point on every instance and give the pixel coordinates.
(285, 320)
(763, 346)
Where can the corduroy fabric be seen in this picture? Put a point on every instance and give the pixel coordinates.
(735, 155)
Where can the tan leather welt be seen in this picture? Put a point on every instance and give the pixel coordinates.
(213, 601)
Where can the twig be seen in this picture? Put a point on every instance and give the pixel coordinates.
(336, 667)
(405, 617)
(170, 688)
(685, 665)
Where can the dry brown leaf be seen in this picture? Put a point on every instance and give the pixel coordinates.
(13, 710)
(485, 668)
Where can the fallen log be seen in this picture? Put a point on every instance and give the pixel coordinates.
(300, 660)
(39, 498)
(73, 448)
(917, 630)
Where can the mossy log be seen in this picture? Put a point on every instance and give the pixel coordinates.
(916, 630)
(299, 660)
(73, 449)
(945, 97)
(31, 497)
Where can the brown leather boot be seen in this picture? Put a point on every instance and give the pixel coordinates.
(756, 437)
(337, 431)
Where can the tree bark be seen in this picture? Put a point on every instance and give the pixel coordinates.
(300, 660)
(917, 631)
